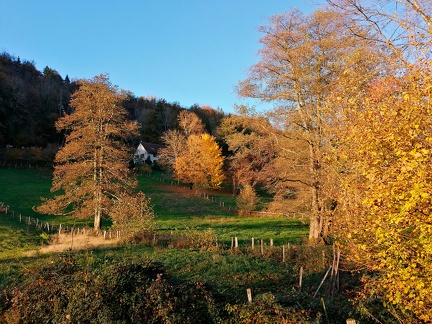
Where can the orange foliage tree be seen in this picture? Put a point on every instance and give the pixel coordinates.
(301, 60)
(201, 164)
(91, 169)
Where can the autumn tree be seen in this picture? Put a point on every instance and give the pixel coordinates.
(385, 197)
(263, 155)
(176, 140)
(175, 146)
(302, 58)
(249, 148)
(91, 169)
(247, 200)
(190, 123)
(201, 164)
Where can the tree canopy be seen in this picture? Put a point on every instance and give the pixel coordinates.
(91, 169)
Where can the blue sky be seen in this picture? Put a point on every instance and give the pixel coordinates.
(185, 51)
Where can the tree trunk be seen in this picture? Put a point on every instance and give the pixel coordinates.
(97, 220)
(316, 223)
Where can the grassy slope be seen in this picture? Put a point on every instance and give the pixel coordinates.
(179, 211)
(175, 212)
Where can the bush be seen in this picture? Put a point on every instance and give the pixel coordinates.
(247, 200)
(64, 290)
(265, 309)
(133, 216)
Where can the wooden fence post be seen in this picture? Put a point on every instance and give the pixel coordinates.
(236, 242)
(283, 253)
(249, 295)
(271, 243)
(262, 247)
(301, 278)
(253, 243)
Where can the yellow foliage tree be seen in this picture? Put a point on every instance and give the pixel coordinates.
(92, 167)
(201, 163)
(385, 203)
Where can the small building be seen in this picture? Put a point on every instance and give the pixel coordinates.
(146, 153)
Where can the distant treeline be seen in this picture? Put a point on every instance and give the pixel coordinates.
(31, 101)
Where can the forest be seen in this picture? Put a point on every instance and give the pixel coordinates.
(32, 100)
(348, 144)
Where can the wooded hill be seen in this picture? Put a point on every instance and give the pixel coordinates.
(32, 100)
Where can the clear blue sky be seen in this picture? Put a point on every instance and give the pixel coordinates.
(188, 51)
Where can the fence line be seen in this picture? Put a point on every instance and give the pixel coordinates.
(50, 228)
(160, 239)
(25, 164)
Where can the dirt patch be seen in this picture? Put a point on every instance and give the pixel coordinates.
(67, 242)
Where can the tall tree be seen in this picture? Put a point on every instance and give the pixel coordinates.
(175, 146)
(302, 58)
(91, 169)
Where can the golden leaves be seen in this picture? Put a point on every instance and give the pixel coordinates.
(201, 164)
(394, 193)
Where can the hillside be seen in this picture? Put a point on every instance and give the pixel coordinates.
(199, 251)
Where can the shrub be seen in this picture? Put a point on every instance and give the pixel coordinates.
(133, 216)
(65, 290)
(265, 309)
(247, 200)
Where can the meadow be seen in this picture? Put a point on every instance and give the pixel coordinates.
(176, 207)
(179, 211)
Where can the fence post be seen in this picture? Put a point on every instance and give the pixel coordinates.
(262, 247)
(271, 243)
(301, 278)
(323, 259)
(253, 243)
(283, 253)
(249, 295)
(236, 242)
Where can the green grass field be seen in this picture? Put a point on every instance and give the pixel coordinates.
(175, 210)
(178, 211)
